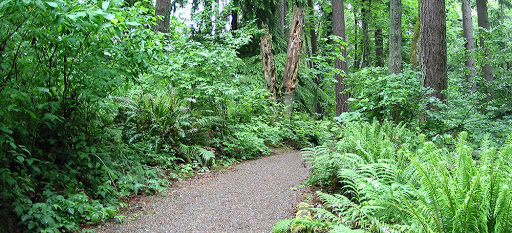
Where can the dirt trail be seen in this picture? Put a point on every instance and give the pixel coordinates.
(249, 197)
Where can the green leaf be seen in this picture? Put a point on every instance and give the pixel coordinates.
(55, 23)
(5, 129)
(3, 3)
(25, 217)
(133, 24)
(53, 4)
(104, 5)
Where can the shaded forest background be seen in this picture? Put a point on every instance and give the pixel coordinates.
(100, 100)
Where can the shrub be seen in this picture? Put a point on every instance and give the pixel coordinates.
(396, 97)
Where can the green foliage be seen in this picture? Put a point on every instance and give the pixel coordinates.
(416, 186)
(397, 97)
(163, 120)
(59, 212)
(59, 148)
(460, 194)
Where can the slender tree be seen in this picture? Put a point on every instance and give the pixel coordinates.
(379, 47)
(483, 22)
(433, 46)
(314, 50)
(338, 28)
(365, 14)
(162, 9)
(467, 26)
(234, 15)
(395, 37)
(283, 10)
(356, 41)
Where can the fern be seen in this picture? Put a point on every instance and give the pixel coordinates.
(461, 195)
(197, 153)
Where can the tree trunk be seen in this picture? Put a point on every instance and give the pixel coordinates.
(415, 45)
(467, 26)
(162, 8)
(234, 20)
(379, 48)
(283, 9)
(433, 46)
(314, 50)
(356, 42)
(291, 69)
(365, 14)
(483, 22)
(395, 37)
(269, 68)
(338, 28)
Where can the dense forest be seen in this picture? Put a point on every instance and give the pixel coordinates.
(403, 108)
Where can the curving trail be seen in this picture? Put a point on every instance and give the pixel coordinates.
(248, 197)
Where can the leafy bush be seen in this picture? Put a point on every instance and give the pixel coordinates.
(396, 97)
(59, 147)
(243, 142)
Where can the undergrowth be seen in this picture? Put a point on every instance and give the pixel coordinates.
(381, 177)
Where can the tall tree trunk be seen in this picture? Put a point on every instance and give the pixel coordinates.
(467, 26)
(379, 48)
(291, 69)
(283, 9)
(483, 22)
(415, 56)
(395, 37)
(314, 50)
(356, 42)
(234, 20)
(365, 14)
(433, 46)
(338, 28)
(269, 67)
(162, 8)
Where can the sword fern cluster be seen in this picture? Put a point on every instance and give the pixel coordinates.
(387, 179)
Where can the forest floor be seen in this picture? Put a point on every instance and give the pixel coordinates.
(247, 197)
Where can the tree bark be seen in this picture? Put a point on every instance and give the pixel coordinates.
(379, 47)
(234, 20)
(365, 14)
(433, 46)
(291, 69)
(269, 68)
(162, 8)
(483, 22)
(338, 28)
(283, 9)
(415, 56)
(314, 50)
(356, 42)
(467, 26)
(395, 37)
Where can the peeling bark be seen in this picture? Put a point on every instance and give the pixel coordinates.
(269, 68)
(291, 69)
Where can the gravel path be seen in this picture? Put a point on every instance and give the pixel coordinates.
(248, 197)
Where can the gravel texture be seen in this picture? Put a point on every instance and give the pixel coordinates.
(248, 197)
